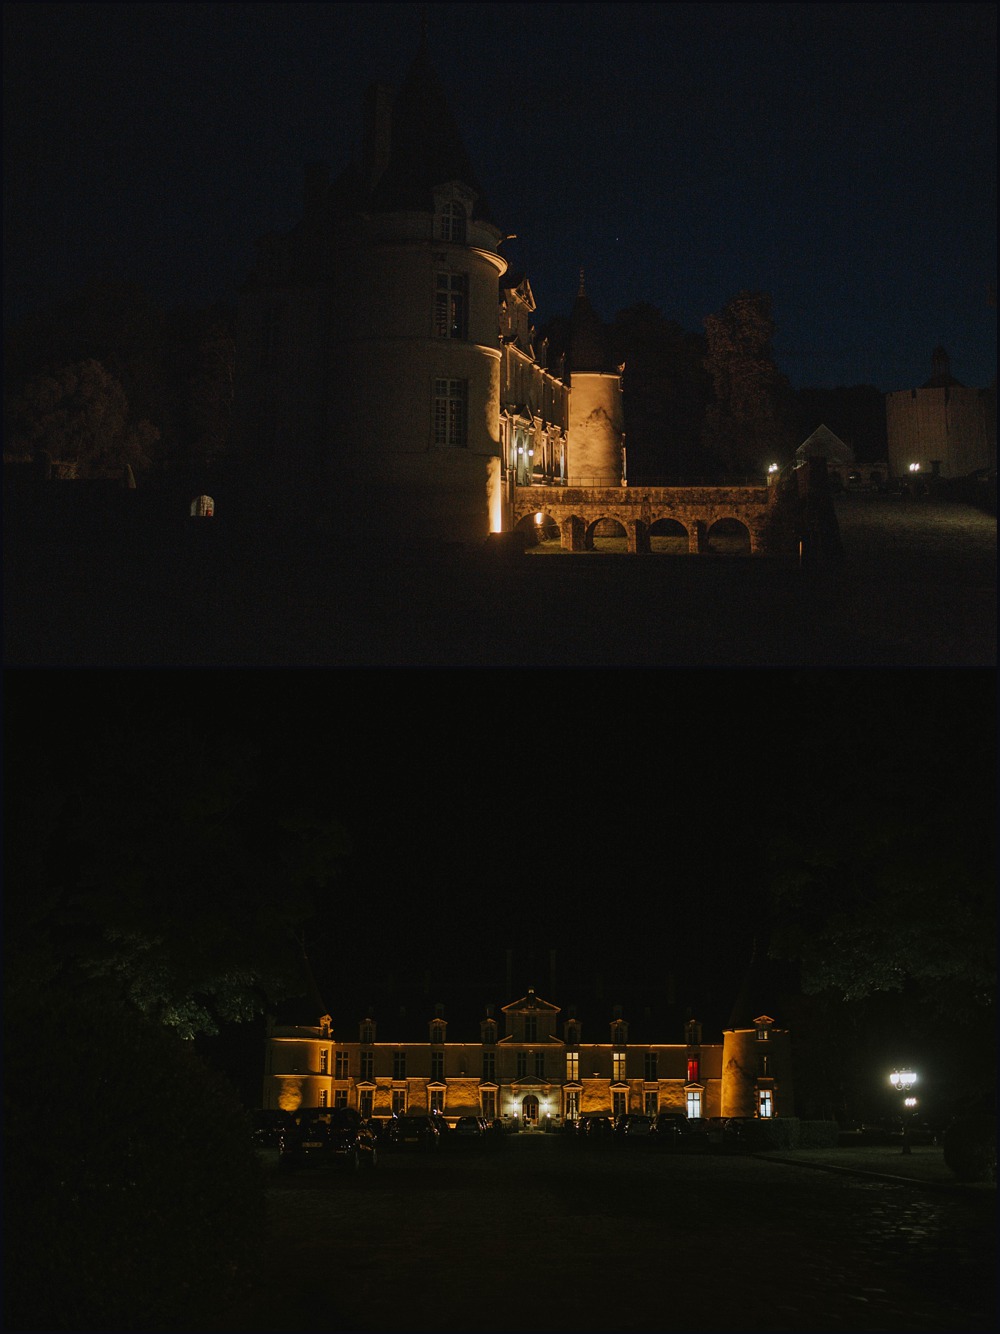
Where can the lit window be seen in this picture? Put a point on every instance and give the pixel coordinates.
(572, 1105)
(322, 1097)
(765, 1104)
(694, 1102)
(453, 223)
(451, 398)
(342, 1064)
(693, 1064)
(572, 1065)
(399, 1065)
(324, 1061)
(649, 1065)
(202, 507)
(451, 305)
(618, 1065)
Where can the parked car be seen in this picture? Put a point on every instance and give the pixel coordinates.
(328, 1137)
(672, 1130)
(737, 1131)
(470, 1127)
(636, 1127)
(267, 1126)
(597, 1129)
(415, 1132)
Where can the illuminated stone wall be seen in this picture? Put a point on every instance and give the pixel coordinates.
(943, 424)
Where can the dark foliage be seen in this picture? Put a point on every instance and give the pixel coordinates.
(970, 1147)
(132, 1181)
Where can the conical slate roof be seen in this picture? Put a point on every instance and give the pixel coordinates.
(588, 342)
(427, 148)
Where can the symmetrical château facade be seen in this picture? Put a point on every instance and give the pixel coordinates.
(531, 1066)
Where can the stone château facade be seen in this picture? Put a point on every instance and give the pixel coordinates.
(531, 1065)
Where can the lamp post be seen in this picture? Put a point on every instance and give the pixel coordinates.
(902, 1081)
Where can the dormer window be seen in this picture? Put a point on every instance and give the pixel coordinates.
(437, 1032)
(367, 1032)
(763, 1024)
(452, 223)
(530, 1028)
(489, 1033)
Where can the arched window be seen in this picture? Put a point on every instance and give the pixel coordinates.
(202, 507)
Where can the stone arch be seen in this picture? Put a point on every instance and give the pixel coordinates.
(669, 537)
(539, 527)
(606, 533)
(728, 536)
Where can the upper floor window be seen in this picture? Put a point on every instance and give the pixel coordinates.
(453, 223)
(530, 1028)
(451, 306)
(489, 1065)
(399, 1065)
(618, 1033)
(324, 1061)
(693, 1064)
(573, 1035)
(451, 412)
(522, 1064)
(367, 1065)
(540, 1064)
(649, 1065)
(572, 1065)
(367, 1031)
(342, 1064)
(763, 1033)
(437, 1065)
(489, 1033)
(618, 1065)
(437, 1031)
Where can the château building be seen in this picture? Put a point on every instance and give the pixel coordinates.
(388, 371)
(943, 428)
(532, 1065)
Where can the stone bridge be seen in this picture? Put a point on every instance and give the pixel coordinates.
(576, 511)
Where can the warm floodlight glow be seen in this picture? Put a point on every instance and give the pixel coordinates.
(772, 467)
(538, 518)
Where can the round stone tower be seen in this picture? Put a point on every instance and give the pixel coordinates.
(596, 440)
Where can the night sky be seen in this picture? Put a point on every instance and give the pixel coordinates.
(840, 157)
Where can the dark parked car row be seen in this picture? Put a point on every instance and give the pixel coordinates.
(328, 1137)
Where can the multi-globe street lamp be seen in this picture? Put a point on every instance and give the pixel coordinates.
(902, 1081)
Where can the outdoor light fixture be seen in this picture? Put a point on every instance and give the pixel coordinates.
(914, 467)
(772, 467)
(902, 1081)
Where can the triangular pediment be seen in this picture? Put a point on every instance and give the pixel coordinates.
(529, 1003)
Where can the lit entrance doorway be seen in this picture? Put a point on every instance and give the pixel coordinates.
(529, 1112)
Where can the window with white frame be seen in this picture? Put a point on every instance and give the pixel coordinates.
(572, 1065)
(324, 1061)
(453, 223)
(451, 412)
(451, 305)
(322, 1098)
(693, 1099)
(572, 1111)
(398, 1102)
(437, 1100)
(765, 1103)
